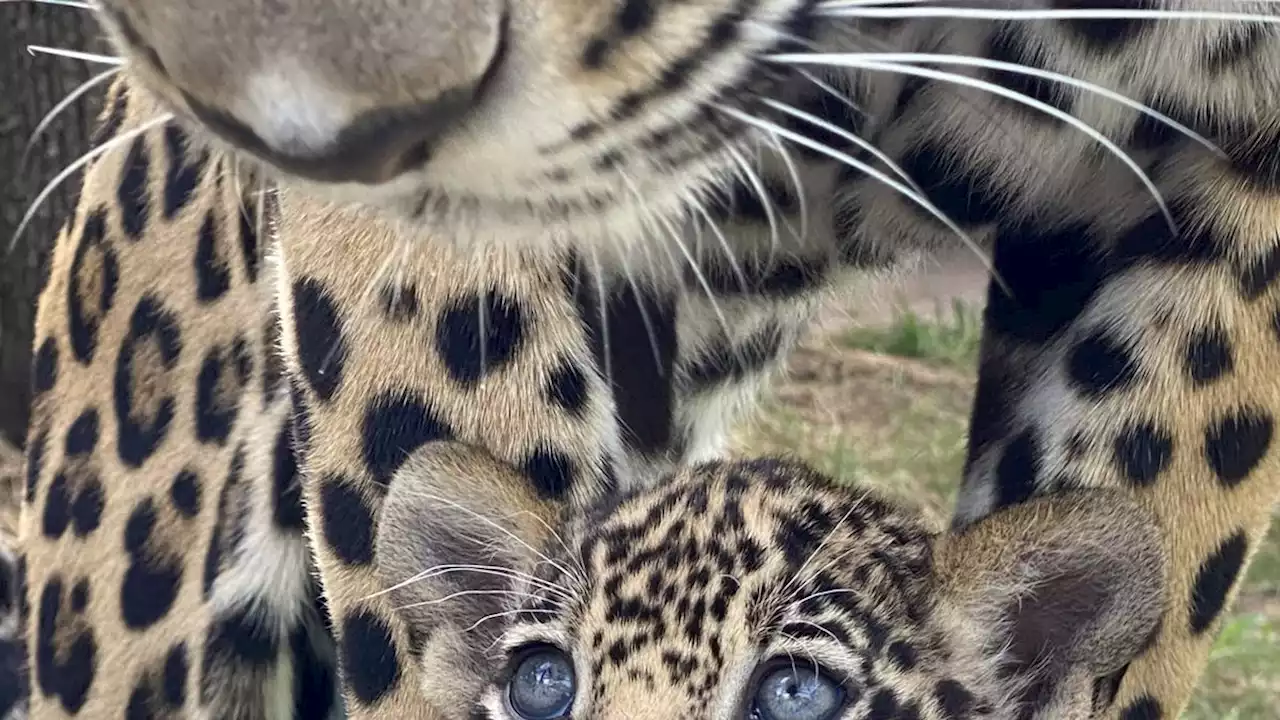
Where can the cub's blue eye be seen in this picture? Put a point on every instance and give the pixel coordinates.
(543, 684)
(797, 693)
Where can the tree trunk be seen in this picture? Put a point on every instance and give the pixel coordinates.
(30, 85)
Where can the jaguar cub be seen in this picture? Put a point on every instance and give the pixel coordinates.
(759, 590)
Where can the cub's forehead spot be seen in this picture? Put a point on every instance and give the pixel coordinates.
(702, 530)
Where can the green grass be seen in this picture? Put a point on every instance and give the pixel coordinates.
(1243, 678)
(949, 338)
(915, 456)
(898, 421)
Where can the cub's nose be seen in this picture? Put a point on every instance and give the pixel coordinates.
(307, 130)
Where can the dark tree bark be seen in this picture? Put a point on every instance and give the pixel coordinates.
(30, 85)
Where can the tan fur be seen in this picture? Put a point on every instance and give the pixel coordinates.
(550, 160)
(174, 537)
(507, 413)
(964, 589)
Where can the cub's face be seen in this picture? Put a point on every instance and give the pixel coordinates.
(759, 591)
(472, 116)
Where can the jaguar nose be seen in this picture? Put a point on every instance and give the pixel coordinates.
(331, 90)
(310, 135)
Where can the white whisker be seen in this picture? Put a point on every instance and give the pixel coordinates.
(602, 311)
(440, 570)
(635, 288)
(819, 628)
(794, 171)
(77, 164)
(700, 277)
(826, 539)
(79, 4)
(825, 593)
(62, 105)
(843, 8)
(875, 151)
(674, 234)
(725, 246)
(490, 522)
(831, 90)
(75, 55)
(836, 560)
(505, 613)
(644, 319)
(569, 554)
(837, 130)
(779, 34)
(1046, 108)
(965, 60)
(907, 192)
(466, 593)
(882, 3)
(495, 570)
(753, 178)
(662, 243)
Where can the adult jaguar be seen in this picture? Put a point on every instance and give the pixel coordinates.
(579, 234)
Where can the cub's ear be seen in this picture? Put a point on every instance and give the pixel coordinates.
(1071, 587)
(457, 531)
